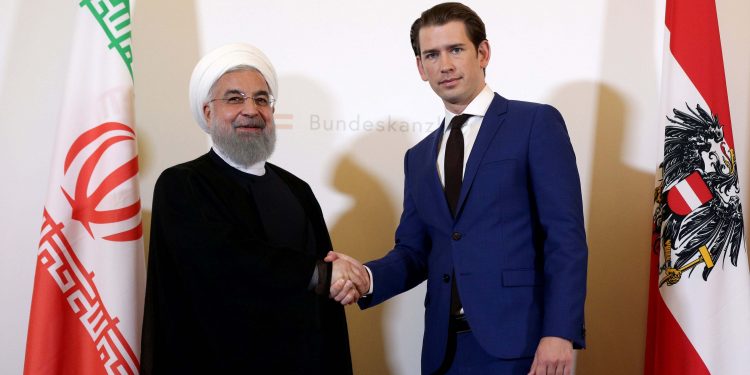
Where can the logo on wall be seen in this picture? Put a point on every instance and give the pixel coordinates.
(697, 210)
(284, 121)
(96, 198)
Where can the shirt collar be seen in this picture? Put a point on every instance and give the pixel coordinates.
(257, 169)
(478, 106)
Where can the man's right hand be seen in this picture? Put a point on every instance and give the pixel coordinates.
(350, 279)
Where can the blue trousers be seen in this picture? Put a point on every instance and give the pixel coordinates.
(468, 358)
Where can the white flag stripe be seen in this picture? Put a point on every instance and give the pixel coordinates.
(687, 193)
(677, 90)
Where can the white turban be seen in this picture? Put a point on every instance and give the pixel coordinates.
(215, 64)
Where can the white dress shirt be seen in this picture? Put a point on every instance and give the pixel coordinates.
(477, 109)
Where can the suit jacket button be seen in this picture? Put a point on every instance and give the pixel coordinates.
(456, 236)
(446, 278)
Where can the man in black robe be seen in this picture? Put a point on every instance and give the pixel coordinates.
(236, 278)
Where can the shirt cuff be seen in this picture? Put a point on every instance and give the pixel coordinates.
(372, 283)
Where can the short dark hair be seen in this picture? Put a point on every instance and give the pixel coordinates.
(446, 12)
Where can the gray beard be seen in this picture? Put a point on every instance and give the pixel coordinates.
(244, 149)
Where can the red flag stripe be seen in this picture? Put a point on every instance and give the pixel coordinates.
(668, 350)
(697, 48)
(699, 187)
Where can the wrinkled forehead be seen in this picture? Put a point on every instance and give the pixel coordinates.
(256, 84)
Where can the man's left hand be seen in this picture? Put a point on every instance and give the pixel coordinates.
(554, 356)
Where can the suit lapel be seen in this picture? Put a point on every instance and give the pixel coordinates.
(492, 121)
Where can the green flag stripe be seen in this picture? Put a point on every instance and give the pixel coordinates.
(115, 25)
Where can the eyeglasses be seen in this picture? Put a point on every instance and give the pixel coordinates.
(261, 101)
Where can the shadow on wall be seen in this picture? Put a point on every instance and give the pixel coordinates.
(166, 48)
(620, 205)
(619, 239)
(365, 231)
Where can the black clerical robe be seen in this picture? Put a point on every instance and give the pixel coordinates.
(222, 299)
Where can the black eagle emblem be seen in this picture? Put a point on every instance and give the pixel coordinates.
(697, 210)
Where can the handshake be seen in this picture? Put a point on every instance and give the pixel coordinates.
(349, 279)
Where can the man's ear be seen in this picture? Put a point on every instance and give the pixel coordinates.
(207, 113)
(483, 53)
(421, 69)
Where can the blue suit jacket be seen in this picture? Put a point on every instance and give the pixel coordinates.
(517, 244)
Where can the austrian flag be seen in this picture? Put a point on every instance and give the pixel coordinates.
(699, 285)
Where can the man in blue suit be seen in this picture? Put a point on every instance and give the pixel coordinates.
(492, 219)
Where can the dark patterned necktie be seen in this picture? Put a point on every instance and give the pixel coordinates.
(453, 165)
(453, 168)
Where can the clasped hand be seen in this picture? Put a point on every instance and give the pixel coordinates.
(349, 280)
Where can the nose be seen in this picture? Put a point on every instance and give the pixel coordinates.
(446, 65)
(249, 108)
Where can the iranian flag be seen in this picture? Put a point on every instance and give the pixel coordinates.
(88, 288)
(699, 288)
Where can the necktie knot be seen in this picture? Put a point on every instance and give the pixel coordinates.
(458, 121)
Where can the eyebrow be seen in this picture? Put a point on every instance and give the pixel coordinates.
(428, 51)
(242, 93)
(449, 47)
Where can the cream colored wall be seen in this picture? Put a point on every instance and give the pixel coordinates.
(597, 61)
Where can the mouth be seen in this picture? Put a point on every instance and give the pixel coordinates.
(449, 81)
(255, 125)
